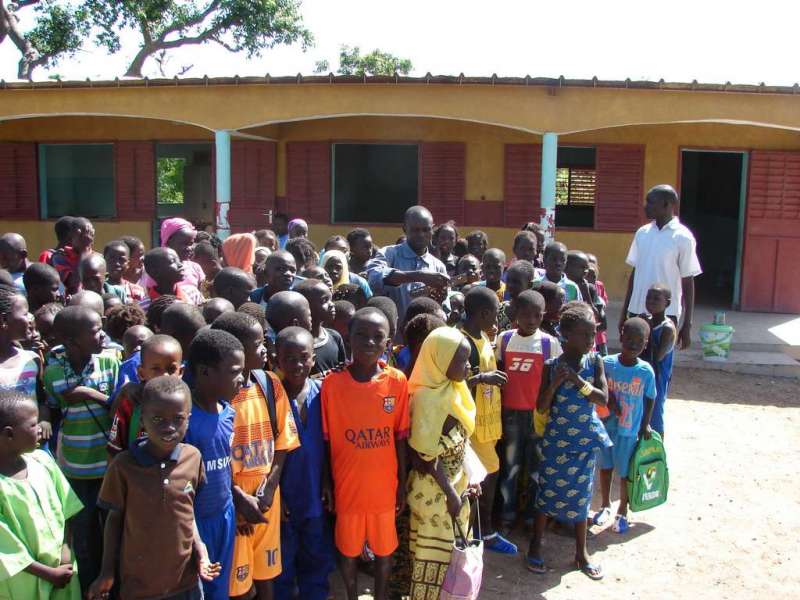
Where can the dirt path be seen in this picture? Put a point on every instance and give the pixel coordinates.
(732, 523)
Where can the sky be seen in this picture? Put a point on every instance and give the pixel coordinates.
(677, 40)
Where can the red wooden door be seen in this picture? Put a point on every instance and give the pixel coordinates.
(771, 271)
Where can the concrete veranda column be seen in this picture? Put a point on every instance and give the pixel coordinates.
(548, 193)
(223, 173)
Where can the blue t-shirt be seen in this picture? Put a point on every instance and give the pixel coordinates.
(211, 434)
(630, 386)
(301, 479)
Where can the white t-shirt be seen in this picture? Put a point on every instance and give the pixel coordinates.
(665, 256)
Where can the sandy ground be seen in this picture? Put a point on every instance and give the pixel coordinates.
(731, 526)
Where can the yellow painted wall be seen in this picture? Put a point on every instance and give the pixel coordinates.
(78, 128)
(535, 109)
(39, 234)
(484, 143)
(663, 143)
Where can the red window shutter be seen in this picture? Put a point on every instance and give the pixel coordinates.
(308, 180)
(770, 270)
(443, 180)
(619, 193)
(19, 190)
(483, 214)
(252, 183)
(135, 180)
(522, 183)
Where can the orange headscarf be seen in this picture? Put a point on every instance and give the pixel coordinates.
(239, 251)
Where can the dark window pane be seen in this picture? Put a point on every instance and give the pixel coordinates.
(374, 183)
(78, 180)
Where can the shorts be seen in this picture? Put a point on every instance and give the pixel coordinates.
(618, 457)
(356, 529)
(487, 453)
(257, 557)
(217, 533)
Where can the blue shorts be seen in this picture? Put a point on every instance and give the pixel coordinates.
(218, 533)
(618, 457)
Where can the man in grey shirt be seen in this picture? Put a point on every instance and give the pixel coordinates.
(396, 270)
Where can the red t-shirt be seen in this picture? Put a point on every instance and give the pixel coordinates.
(362, 421)
(523, 360)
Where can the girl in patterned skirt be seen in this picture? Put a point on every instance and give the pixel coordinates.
(571, 385)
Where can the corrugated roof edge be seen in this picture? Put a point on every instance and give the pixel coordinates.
(399, 79)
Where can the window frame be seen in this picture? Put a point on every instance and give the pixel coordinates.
(573, 205)
(349, 142)
(41, 155)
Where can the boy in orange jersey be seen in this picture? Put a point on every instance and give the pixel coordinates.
(366, 422)
(263, 432)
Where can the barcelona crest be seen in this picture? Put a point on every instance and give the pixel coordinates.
(388, 404)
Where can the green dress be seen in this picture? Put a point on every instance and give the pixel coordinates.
(33, 513)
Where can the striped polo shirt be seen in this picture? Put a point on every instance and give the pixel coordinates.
(85, 425)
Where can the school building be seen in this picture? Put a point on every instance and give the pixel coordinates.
(489, 153)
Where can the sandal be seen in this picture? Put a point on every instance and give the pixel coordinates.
(593, 572)
(602, 516)
(535, 565)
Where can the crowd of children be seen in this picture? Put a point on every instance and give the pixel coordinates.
(231, 420)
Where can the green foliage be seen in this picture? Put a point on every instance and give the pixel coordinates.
(58, 30)
(249, 26)
(170, 180)
(377, 62)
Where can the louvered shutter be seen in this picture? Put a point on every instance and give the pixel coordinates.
(135, 180)
(522, 184)
(19, 190)
(619, 193)
(308, 181)
(252, 184)
(771, 271)
(443, 180)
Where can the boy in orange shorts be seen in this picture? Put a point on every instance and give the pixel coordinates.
(263, 432)
(366, 423)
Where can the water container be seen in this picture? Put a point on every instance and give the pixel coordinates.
(716, 342)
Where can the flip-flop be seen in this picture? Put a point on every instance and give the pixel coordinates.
(535, 565)
(602, 516)
(593, 572)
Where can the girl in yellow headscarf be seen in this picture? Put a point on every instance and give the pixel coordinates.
(442, 419)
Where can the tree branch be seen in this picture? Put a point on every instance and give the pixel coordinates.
(214, 5)
(31, 58)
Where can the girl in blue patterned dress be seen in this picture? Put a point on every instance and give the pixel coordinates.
(571, 385)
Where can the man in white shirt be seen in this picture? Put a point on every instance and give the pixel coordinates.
(663, 251)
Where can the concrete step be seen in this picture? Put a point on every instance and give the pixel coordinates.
(772, 364)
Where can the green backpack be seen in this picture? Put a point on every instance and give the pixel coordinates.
(648, 476)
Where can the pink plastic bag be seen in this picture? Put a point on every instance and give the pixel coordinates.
(465, 572)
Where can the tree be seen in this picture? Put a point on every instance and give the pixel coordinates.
(237, 25)
(58, 31)
(377, 62)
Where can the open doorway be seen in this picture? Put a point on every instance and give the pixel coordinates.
(183, 175)
(712, 201)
